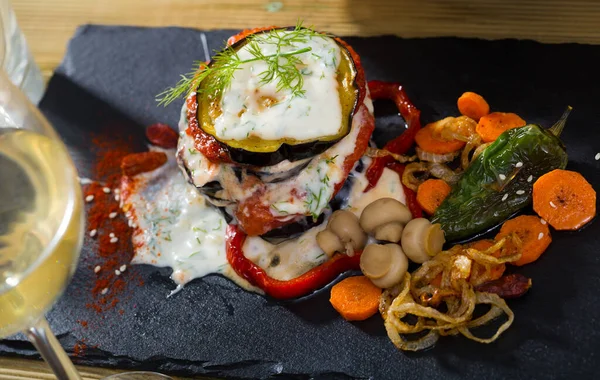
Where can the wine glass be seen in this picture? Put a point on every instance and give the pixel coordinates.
(41, 225)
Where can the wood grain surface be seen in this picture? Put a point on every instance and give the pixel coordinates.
(48, 25)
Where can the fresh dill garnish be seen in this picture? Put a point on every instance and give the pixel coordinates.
(198, 240)
(192, 151)
(168, 237)
(331, 160)
(283, 67)
(313, 203)
(219, 226)
(278, 209)
(196, 229)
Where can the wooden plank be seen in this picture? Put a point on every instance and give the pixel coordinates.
(27, 369)
(48, 25)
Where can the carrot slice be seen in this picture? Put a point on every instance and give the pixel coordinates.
(493, 125)
(565, 199)
(534, 234)
(431, 194)
(473, 105)
(497, 270)
(429, 143)
(355, 298)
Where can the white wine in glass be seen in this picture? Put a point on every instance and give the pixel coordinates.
(41, 226)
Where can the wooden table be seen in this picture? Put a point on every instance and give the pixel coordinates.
(48, 25)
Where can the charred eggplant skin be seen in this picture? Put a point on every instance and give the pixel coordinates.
(285, 151)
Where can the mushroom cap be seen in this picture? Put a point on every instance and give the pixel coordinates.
(329, 242)
(434, 242)
(391, 232)
(414, 238)
(384, 211)
(385, 265)
(345, 225)
(375, 261)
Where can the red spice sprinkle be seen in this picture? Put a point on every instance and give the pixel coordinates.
(108, 289)
(80, 348)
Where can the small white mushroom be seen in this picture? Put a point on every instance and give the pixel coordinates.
(421, 240)
(385, 265)
(385, 219)
(345, 227)
(329, 242)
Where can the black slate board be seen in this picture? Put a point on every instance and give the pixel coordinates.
(107, 84)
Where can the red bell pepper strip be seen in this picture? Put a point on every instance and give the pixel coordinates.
(312, 280)
(411, 196)
(402, 143)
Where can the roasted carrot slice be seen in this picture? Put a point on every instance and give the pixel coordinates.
(355, 298)
(429, 143)
(534, 234)
(493, 125)
(431, 194)
(473, 105)
(565, 199)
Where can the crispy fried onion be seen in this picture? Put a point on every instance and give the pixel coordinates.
(418, 305)
(433, 157)
(455, 128)
(472, 145)
(374, 152)
(416, 173)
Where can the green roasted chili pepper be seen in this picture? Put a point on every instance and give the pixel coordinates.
(499, 182)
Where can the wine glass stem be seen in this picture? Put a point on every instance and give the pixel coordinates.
(47, 345)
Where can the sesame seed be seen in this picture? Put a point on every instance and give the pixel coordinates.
(112, 215)
(519, 164)
(123, 268)
(106, 190)
(540, 235)
(112, 234)
(520, 192)
(130, 223)
(117, 197)
(597, 157)
(85, 181)
(117, 272)
(504, 197)
(117, 191)
(530, 178)
(134, 225)
(552, 204)
(97, 269)
(104, 291)
(114, 240)
(89, 198)
(502, 177)
(543, 221)
(128, 214)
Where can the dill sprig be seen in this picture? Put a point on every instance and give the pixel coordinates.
(284, 67)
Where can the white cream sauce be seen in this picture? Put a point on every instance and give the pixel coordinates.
(388, 186)
(174, 226)
(317, 113)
